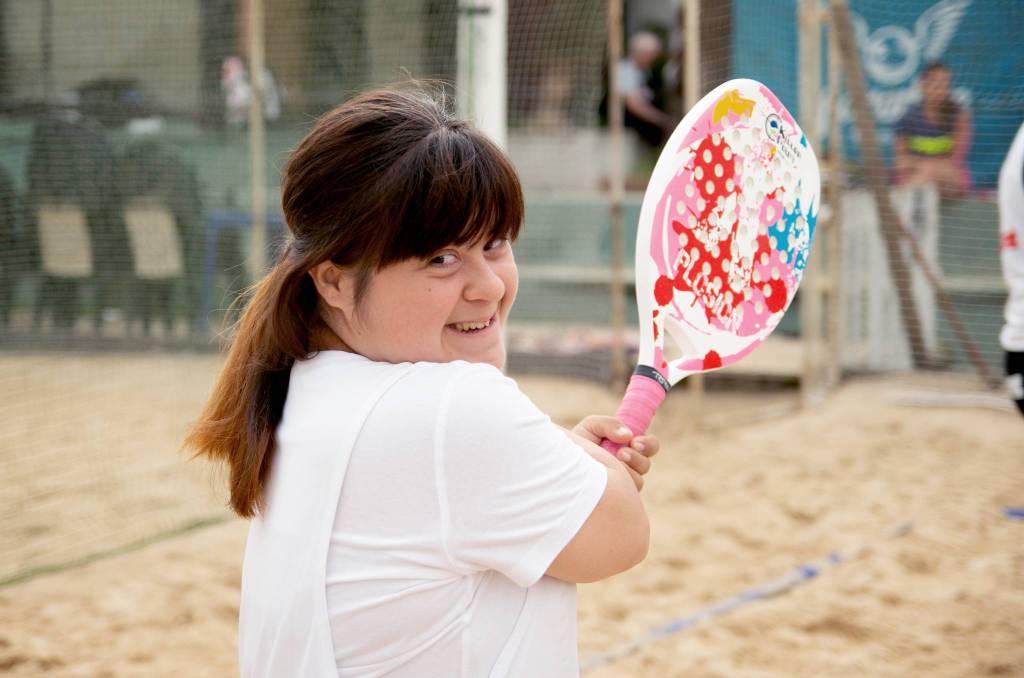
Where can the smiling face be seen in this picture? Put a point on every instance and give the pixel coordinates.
(450, 306)
(935, 86)
(402, 218)
(644, 49)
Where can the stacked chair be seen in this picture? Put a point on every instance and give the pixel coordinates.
(163, 213)
(126, 226)
(75, 223)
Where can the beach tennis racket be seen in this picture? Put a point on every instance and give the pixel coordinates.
(724, 234)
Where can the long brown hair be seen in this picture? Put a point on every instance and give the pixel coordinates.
(386, 176)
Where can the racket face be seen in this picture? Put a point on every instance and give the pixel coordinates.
(725, 229)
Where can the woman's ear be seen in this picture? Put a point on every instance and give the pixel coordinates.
(336, 286)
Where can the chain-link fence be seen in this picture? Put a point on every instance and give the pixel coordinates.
(923, 137)
(126, 196)
(913, 107)
(126, 212)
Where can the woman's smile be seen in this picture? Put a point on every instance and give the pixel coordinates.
(451, 306)
(474, 327)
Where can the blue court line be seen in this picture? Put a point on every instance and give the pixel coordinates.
(800, 575)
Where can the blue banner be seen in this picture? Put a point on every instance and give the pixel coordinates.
(982, 42)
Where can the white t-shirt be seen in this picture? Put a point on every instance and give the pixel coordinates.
(1011, 239)
(412, 511)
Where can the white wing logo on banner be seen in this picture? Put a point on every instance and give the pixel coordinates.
(892, 54)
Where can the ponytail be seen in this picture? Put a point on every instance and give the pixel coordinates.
(238, 422)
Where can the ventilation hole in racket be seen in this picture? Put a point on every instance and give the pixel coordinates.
(678, 346)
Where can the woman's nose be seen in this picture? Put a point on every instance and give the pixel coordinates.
(484, 283)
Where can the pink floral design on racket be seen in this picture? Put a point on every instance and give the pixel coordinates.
(725, 231)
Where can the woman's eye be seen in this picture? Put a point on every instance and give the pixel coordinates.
(446, 259)
(496, 243)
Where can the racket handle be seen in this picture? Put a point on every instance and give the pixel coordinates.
(643, 395)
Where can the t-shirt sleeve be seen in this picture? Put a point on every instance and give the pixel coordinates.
(630, 78)
(513, 488)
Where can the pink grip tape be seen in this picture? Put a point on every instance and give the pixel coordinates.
(643, 395)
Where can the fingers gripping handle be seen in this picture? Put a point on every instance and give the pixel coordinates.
(643, 395)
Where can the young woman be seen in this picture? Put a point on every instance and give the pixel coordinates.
(934, 136)
(414, 514)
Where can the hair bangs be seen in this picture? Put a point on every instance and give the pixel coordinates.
(459, 188)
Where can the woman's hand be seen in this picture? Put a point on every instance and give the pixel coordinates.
(636, 452)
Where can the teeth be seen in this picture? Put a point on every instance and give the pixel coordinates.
(465, 327)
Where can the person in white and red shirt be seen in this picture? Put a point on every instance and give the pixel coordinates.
(1011, 246)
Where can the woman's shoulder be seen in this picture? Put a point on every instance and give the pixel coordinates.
(461, 369)
(337, 363)
(468, 381)
(462, 396)
(467, 388)
(346, 360)
(454, 389)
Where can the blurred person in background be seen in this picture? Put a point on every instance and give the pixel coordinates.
(1011, 247)
(934, 137)
(237, 91)
(640, 87)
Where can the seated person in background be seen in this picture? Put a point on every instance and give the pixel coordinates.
(636, 85)
(933, 138)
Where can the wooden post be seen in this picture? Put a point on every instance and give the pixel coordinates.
(616, 131)
(46, 41)
(691, 95)
(892, 226)
(878, 180)
(257, 150)
(809, 78)
(691, 54)
(836, 181)
(482, 54)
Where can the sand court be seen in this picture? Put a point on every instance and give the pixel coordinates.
(733, 507)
